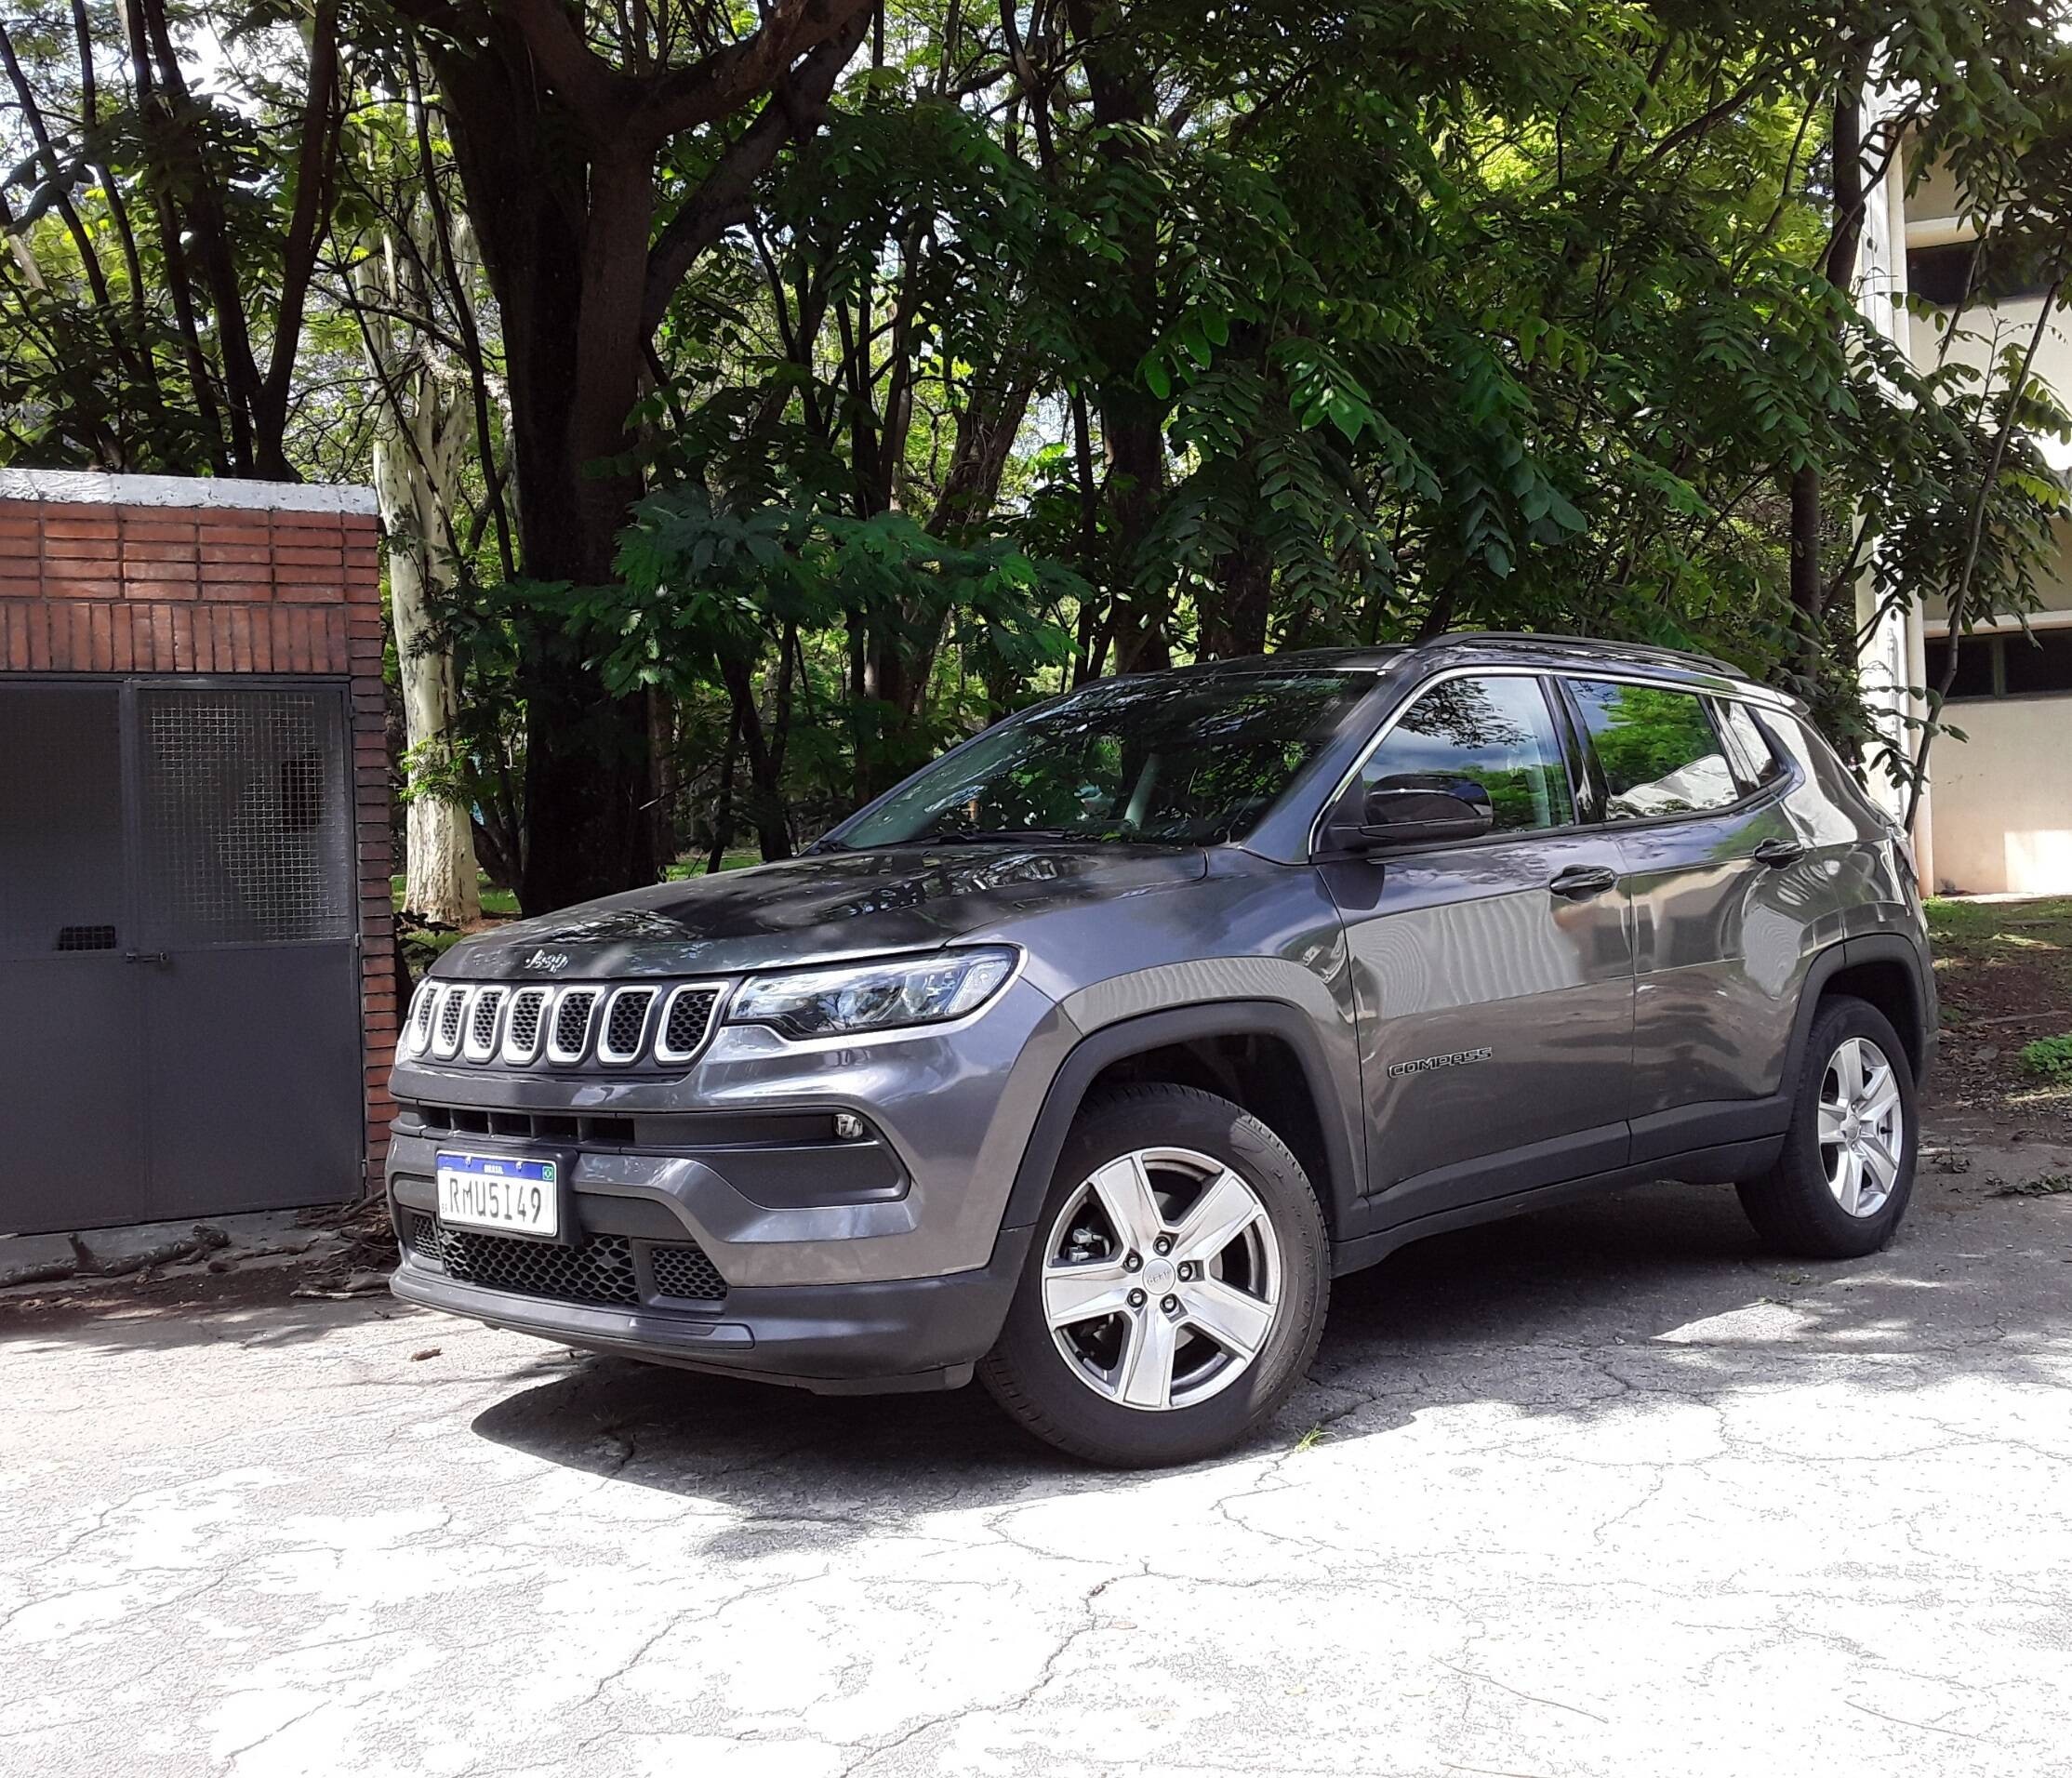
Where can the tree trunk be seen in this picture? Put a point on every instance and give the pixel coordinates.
(417, 445)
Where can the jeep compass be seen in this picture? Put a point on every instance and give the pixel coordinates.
(1085, 1058)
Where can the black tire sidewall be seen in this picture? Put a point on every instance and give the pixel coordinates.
(1799, 1169)
(1033, 1378)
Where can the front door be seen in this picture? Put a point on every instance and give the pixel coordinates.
(179, 950)
(1493, 979)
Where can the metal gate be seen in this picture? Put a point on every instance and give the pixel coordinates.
(179, 1023)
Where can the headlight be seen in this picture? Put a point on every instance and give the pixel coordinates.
(872, 996)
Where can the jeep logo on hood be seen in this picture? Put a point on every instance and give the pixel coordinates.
(553, 962)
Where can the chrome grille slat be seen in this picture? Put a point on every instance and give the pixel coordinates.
(625, 1025)
(481, 1043)
(568, 1036)
(687, 1023)
(525, 1026)
(446, 1029)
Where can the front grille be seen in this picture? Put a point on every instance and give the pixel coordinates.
(682, 1270)
(600, 1270)
(561, 1027)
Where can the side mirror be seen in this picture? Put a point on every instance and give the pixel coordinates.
(1416, 807)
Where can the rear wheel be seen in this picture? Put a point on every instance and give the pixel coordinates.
(1176, 1290)
(1841, 1185)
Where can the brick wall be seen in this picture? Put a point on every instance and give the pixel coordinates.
(104, 586)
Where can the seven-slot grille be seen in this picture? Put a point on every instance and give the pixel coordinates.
(581, 1024)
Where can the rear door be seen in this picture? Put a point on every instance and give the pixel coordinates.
(1726, 898)
(1493, 979)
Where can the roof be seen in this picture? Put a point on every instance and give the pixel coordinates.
(1492, 646)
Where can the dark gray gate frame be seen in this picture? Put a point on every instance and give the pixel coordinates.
(134, 1050)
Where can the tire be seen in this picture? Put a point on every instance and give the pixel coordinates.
(1803, 1204)
(1164, 1153)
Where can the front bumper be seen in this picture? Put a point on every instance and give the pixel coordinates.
(907, 1334)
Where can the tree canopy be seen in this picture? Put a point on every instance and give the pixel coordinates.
(828, 377)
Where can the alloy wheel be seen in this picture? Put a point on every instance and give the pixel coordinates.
(1863, 1126)
(1161, 1279)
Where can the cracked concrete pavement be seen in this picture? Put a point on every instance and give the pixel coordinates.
(1605, 1491)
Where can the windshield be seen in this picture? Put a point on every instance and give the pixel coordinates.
(1182, 760)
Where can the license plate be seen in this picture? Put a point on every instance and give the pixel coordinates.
(501, 1192)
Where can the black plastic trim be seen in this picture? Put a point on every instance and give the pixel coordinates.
(908, 1334)
(1130, 1037)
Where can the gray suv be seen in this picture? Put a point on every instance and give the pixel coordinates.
(1089, 1056)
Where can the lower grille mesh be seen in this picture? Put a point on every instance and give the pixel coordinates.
(684, 1271)
(600, 1270)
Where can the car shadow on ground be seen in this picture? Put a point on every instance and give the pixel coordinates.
(1571, 1313)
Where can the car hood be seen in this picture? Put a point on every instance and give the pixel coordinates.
(812, 909)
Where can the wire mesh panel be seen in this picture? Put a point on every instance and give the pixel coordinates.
(248, 821)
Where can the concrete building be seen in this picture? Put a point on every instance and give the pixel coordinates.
(1997, 814)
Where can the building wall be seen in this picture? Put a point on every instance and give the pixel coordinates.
(165, 575)
(2003, 798)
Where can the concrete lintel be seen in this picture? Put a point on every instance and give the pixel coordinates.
(206, 492)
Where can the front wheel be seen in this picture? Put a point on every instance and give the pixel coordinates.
(1841, 1182)
(1176, 1290)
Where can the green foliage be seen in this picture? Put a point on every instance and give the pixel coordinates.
(2050, 1057)
(1088, 338)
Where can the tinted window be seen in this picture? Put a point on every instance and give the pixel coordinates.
(1184, 759)
(1658, 749)
(1495, 731)
(1755, 761)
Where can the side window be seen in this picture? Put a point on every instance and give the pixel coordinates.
(1659, 751)
(1498, 731)
(1755, 761)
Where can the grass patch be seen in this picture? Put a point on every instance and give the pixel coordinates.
(2050, 1057)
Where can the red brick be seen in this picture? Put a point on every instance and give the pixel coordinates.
(14, 638)
(39, 638)
(66, 523)
(122, 642)
(247, 592)
(149, 524)
(21, 577)
(100, 652)
(81, 549)
(231, 561)
(20, 521)
(68, 586)
(219, 531)
(307, 592)
(159, 589)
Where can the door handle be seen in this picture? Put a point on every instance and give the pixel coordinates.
(1580, 881)
(1779, 853)
(157, 957)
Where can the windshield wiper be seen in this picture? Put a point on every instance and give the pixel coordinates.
(985, 836)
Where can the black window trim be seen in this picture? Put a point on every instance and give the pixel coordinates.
(1786, 780)
(1556, 716)
(1553, 687)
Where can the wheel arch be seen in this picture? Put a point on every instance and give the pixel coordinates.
(1285, 1082)
(1881, 968)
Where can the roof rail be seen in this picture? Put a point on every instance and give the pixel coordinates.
(1647, 650)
